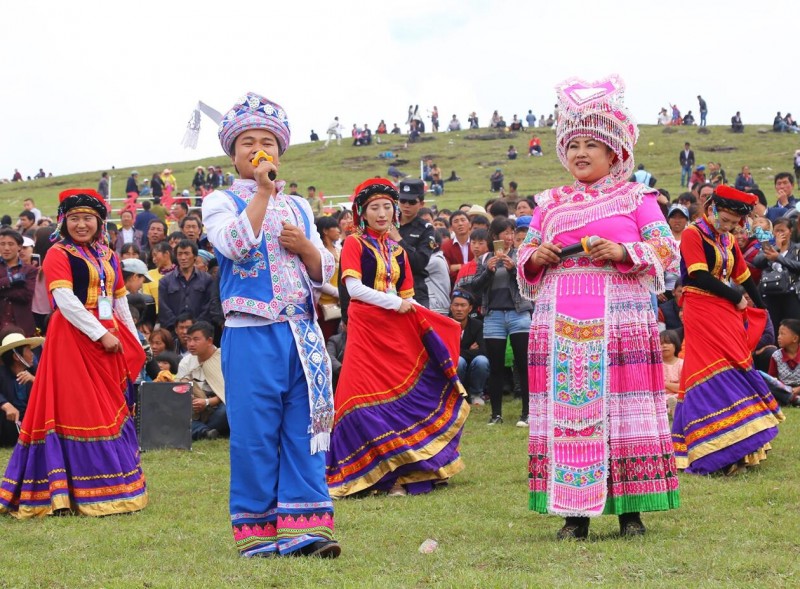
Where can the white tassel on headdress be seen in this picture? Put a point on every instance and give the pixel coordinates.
(193, 126)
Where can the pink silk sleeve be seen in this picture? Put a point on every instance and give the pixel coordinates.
(657, 252)
(529, 281)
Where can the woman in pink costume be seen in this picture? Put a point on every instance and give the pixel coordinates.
(599, 436)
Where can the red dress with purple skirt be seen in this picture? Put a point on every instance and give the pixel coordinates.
(77, 446)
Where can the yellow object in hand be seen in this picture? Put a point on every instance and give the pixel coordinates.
(261, 155)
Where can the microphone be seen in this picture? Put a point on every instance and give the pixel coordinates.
(262, 156)
(578, 248)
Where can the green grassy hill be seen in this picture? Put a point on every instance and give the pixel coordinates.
(338, 169)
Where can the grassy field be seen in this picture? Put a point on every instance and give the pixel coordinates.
(338, 169)
(742, 531)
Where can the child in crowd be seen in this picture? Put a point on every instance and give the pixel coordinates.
(785, 362)
(670, 348)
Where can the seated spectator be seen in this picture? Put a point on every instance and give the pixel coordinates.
(494, 120)
(184, 290)
(366, 135)
(396, 130)
(698, 176)
(335, 346)
(182, 324)
(785, 362)
(673, 365)
(203, 368)
(778, 124)
(512, 152)
(17, 374)
(516, 124)
(791, 124)
(395, 173)
(688, 119)
(161, 340)
(501, 124)
(535, 146)
(663, 117)
(167, 364)
(454, 125)
(473, 121)
(496, 180)
(473, 364)
(313, 137)
(736, 123)
(381, 130)
(550, 121)
(744, 180)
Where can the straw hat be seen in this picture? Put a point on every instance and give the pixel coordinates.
(17, 340)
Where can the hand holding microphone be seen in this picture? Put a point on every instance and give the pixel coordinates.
(262, 156)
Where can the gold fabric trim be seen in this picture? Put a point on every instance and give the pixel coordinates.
(730, 438)
(92, 510)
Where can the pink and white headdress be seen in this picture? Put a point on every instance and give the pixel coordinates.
(596, 109)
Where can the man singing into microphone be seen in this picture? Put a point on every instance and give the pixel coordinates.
(277, 373)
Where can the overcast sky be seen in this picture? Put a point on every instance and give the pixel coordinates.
(90, 84)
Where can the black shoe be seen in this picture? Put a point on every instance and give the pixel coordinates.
(575, 528)
(495, 420)
(630, 524)
(320, 549)
(210, 434)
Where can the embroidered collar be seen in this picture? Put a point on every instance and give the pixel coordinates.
(369, 232)
(597, 187)
(245, 189)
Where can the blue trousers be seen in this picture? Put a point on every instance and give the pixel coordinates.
(686, 175)
(474, 374)
(279, 499)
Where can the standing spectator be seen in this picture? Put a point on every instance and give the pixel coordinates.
(192, 228)
(178, 211)
(530, 118)
(435, 120)
(516, 124)
(199, 181)
(415, 235)
(736, 123)
(185, 290)
(473, 364)
(156, 233)
(457, 251)
(170, 183)
(744, 180)
(328, 304)
(157, 187)
(507, 316)
(780, 276)
(703, 110)
(143, 219)
(17, 284)
(784, 187)
(334, 132)
(314, 201)
(438, 280)
(29, 205)
(132, 188)
(688, 119)
(127, 232)
(778, 124)
(686, 160)
(26, 223)
(102, 186)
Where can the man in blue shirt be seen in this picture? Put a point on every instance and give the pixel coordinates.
(784, 186)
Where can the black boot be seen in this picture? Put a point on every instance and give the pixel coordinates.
(630, 524)
(575, 528)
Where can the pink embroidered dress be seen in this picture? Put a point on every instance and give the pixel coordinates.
(599, 435)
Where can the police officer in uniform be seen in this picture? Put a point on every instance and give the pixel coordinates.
(415, 235)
